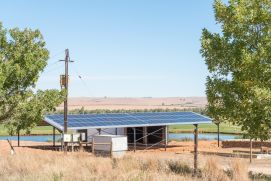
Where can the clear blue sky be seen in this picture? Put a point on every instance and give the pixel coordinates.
(121, 48)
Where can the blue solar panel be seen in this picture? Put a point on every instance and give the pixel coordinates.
(113, 120)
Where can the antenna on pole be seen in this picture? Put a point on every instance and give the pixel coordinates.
(64, 82)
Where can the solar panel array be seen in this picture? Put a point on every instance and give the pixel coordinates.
(114, 120)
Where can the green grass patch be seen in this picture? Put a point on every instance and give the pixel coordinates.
(206, 128)
(39, 130)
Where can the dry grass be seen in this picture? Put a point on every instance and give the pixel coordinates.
(213, 172)
(25, 166)
(239, 170)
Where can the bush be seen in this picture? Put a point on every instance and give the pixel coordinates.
(179, 167)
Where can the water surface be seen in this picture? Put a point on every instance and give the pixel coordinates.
(175, 136)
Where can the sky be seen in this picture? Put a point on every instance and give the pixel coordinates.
(120, 48)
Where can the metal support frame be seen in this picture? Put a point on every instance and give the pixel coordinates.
(152, 133)
(166, 137)
(195, 148)
(250, 150)
(54, 136)
(218, 134)
(62, 141)
(99, 131)
(12, 151)
(145, 139)
(134, 139)
(18, 138)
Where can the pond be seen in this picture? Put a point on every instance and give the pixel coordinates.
(203, 136)
(42, 138)
(175, 136)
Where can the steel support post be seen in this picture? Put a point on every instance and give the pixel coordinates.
(195, 148)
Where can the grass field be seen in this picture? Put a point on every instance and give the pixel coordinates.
(39, 130)
(206, 128)
(147, 167)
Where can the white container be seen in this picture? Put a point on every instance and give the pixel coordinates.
(71, 137)
(119, 144)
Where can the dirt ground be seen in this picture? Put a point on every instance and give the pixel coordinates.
(175, 150)
(135, 103)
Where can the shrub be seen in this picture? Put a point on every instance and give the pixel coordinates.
(179, 167)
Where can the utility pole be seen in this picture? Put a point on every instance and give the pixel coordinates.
(65, 82)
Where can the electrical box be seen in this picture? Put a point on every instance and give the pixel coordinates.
(66, 137)
(75, 137)
(71, 137)
(63, 80)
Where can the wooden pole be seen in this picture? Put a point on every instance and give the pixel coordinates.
(250, 154)
(66, 87)
(66, 98)
(195, 148)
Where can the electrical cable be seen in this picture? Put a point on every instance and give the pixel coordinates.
(82, 80)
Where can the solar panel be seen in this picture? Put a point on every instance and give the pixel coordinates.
(116, 120)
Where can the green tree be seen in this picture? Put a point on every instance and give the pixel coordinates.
(23, 57)
(239, 62)
(30, 112)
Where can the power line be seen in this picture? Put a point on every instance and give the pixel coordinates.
(56, 54)
(53, 56)
(82, 80)
(52, 64)
(52, 70)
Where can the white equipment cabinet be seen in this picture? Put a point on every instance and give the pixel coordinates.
(115, 144)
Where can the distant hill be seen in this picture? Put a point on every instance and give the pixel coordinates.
(114, 103)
